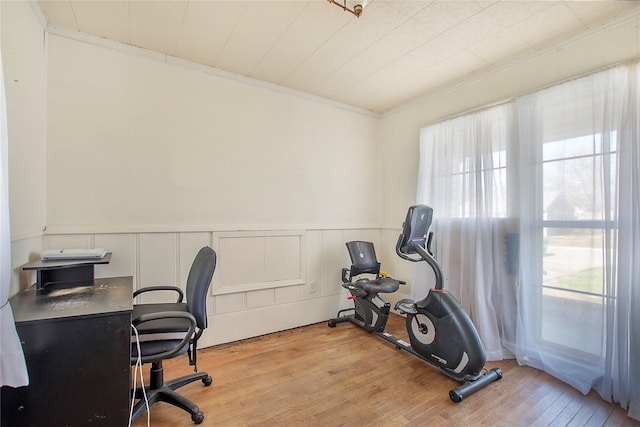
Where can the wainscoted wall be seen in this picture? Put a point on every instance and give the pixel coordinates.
(265, 280)
(144, 151)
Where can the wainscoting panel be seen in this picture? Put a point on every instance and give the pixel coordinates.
(229, 303)
(314, 266)
(265, 280)
(123, 255)
(334, 258)
(262, 298)
(158, 264)
(189, 244)
(255, 261)
(287, 294)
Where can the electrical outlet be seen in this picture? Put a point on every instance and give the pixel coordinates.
(312, 287)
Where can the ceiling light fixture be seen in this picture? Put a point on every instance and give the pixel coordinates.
(353, 6)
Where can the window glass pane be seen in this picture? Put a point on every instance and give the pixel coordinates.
(499, 207)
(573, 187)
(573, 147)
(573, 259)
(500, 158)
(456, 208)
(572, 320)
(568, 189)
(572, 303)
(486, 177)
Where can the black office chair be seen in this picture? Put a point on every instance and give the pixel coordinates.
(167, 330)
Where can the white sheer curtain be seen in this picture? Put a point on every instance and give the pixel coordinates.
(463, 177)
(537, 226)
(622, 369)
(13, 370)
(579, 299)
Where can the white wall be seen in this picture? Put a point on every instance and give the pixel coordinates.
(137, 143)
(153, 158)
(401, 127)
(24, 62)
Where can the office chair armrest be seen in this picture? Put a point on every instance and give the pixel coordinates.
(160, 288)
(161, 315)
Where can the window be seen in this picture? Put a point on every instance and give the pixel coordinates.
(469, 157)
(567, 186)
(575, 217)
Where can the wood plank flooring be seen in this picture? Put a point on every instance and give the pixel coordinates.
(344, 376)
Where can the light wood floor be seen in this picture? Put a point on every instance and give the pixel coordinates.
(344, 376)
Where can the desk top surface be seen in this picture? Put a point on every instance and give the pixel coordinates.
(101, 296)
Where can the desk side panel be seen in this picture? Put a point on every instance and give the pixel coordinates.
(79, 371)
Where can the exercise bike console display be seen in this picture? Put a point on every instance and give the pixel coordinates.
(440, 331)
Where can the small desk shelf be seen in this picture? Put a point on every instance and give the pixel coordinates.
(66, 272)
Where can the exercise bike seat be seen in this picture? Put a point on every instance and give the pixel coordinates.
(385, 285)
(364, 261)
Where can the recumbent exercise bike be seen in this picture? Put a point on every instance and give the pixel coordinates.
(439, 329)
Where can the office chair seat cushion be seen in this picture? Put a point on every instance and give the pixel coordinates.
(161, 335)
(384, 285)
(162, 329)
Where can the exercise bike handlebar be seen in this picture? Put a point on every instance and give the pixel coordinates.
(424, 255)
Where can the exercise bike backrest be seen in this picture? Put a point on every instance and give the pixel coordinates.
(363, 260)
(416, 239)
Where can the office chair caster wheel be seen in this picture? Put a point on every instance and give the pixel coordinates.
(332, 324)
(207, 381)
(197, 418)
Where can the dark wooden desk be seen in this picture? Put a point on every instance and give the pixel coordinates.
(77, 346)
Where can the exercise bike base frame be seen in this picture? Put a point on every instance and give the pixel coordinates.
(403, 345)
(340, 318)
(469, 385)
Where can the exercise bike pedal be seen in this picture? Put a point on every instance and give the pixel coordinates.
(406, 306)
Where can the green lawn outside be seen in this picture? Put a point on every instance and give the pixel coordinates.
(586, 281)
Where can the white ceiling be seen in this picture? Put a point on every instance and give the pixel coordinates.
(394, 52)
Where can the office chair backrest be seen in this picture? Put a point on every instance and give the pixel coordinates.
(363, 258)
(198, 282)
